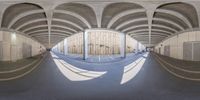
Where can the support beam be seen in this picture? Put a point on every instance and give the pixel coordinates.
(85, 45)
(123, 45)
(65, 46)
(98, 8)
(137, 47)
(150, 12)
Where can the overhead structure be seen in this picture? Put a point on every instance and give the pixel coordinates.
(49, 22)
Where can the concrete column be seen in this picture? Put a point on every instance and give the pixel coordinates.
(13, 48)
(6, 45)
(59, 51)
(85, 45)
(123, 45)
(137, 47)
(65, 47)
(1, 45)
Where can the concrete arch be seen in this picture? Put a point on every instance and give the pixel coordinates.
(159, 36)
(38, 31)
(85, 10)
(30, 28)
(157, 19)
(46, 30)
(64, 27)
(147, 37)
(122, 14)
(51, 34)
(197, 8)
(45, 37)
(183, 10)
(168, 21)
(30, 22)
(142, 25)
(135, 26)
(75, 15)
(68, 22)
(2, 12)
(177, 14)
(166, 27)
(98, 8)
(146, 33)
(137, 31)
(60, 26)
(130, 21)
(112, 10)
(22, 7)
(23, 15)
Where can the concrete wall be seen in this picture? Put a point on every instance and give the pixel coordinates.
(131, 44)
(15, 46)
(109, 40)
(176, 43)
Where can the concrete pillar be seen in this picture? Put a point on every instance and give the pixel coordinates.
(59, 51)
(85, 45)
(13, 49)
(137, 47)
(65, 47)
(1, 45)
(123, 45)
(6, 45)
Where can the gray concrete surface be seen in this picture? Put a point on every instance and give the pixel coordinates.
(98, 58)
(151, 83)
(10, 65)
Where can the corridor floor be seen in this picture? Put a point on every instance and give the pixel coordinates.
(151, 83)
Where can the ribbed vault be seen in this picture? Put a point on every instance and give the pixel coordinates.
(71, 18)
(26, 18)
(174, 17)
(125, 17)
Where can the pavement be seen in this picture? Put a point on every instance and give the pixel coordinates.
(10, 65)
(98, 58)
(187, 65)
(152, 82)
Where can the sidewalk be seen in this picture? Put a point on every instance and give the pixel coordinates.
(98, 58)
(188, 65)
(8, 65)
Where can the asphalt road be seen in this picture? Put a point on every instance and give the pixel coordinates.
(151, 83)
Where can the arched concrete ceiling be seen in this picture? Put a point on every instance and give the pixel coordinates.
(178, 16)
(18, 17)
(82, 11)
(51, 20)
(114, 11)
